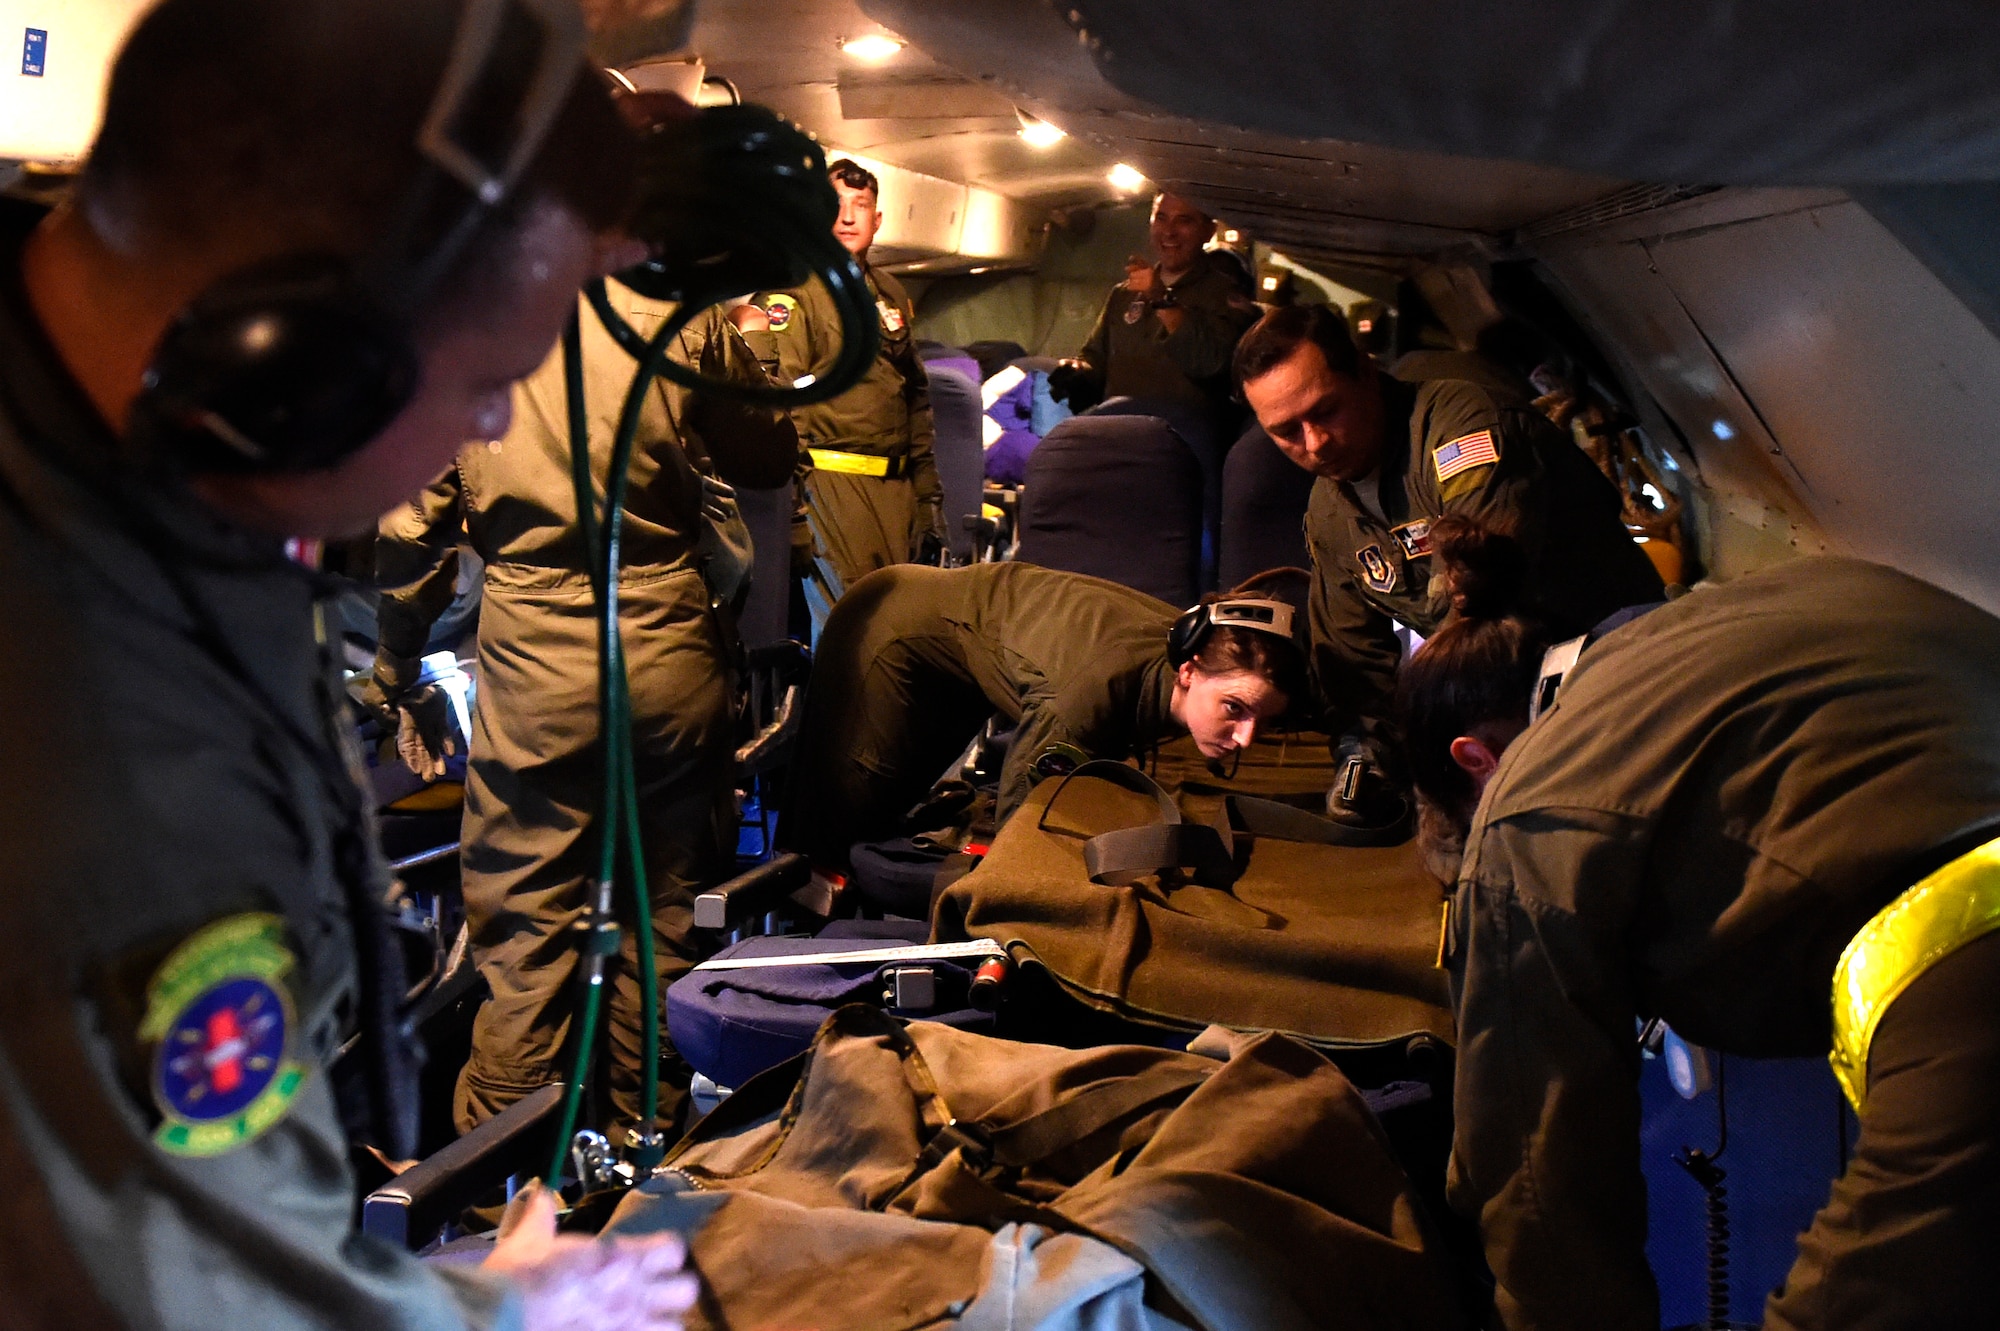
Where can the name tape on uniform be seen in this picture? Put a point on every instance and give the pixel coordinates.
(978, 947)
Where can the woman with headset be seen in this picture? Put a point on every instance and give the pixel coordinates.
(1766, 814)
(914, 660)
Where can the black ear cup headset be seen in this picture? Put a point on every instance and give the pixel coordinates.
(1198, 624)
(296, 363)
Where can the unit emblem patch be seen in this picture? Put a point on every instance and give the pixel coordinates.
(1379, 573)
(218, 1012)
(1059, 759)
(1414, 538)
(779, 310)
(1463, 454)
(1135, 311)
(892, 317)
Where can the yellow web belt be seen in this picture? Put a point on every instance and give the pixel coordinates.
(855, 464)
(1920, 928)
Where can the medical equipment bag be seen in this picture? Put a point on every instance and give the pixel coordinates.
(899, 1175)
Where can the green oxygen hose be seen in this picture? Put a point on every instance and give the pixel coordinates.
(758, 206)
(619, 823)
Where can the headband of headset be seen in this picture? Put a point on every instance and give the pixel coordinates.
(1197, 624)
(296, 363)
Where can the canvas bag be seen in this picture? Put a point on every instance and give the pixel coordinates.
(862, 1184)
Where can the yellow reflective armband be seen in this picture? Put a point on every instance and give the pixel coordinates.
(1920, 928)
(855, 464)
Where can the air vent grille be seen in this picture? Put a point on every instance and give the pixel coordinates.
(1618, 204)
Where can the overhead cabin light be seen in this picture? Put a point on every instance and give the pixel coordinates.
(1038, 133)
(872, 48)
(1126, 179)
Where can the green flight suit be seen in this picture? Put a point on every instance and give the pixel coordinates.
(1131, 352)
(914, 660)
(535, 775)
(175, 754)
(1723, 793)
(1477, 448)
(860, 522)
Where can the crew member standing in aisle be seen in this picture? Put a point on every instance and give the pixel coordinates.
(248, 324)
(1392, 458)
(1765, 814)
(536, 768)
(872, 494)
(1166, 333)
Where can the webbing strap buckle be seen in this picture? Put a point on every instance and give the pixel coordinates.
(969, 1139)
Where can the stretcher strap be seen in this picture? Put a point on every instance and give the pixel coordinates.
(1115, 859)
(1089, 1111)
(1205, 853)
(1283, 822)
(977, 947)
(1923, 926)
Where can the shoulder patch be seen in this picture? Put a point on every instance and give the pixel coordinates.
(1414, 538)
(779, 310)
(1376, 569)
(1059, 759)
(1463, 454)
(221, 1019)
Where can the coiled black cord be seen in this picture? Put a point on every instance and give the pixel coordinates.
(737, 200)
(1712, 1178)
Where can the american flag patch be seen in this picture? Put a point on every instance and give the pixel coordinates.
(1463, 454)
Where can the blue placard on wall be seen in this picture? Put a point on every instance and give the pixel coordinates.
(35, 52)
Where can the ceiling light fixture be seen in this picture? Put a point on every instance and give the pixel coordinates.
(872, 48)
(1126, 179)
(1036, 132)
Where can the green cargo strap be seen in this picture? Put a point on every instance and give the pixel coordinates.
(1920, 928)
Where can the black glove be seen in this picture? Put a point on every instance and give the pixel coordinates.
(1363, 797)
(424, 731)
(1077, 385)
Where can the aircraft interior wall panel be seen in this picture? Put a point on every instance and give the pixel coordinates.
(1746, 514)
(1881, 386)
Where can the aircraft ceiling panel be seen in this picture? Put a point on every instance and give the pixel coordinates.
(909, 111)
(1699, 91)
(1334, 195)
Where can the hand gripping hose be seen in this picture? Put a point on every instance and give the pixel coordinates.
(735, 200)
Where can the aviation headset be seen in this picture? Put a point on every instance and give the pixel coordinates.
(1198, 624)
(295, 363)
